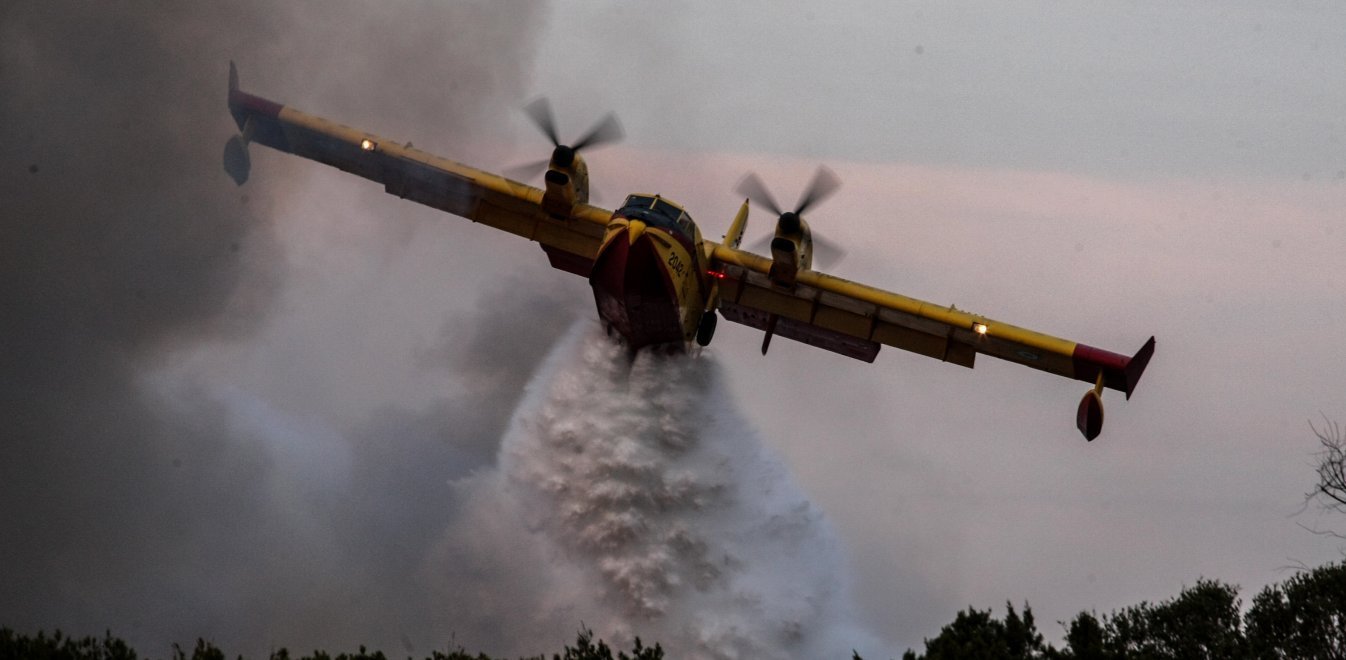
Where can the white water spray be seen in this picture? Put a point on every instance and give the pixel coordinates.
(631, 497)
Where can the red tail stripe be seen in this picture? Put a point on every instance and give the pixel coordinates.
(242, 104)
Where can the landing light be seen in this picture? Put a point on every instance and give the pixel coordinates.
(367, 144)
(979, 328)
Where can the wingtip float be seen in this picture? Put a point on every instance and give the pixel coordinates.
(655, 279)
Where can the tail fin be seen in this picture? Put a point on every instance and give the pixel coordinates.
(1136, 366)
(735, 234)
(233, 77)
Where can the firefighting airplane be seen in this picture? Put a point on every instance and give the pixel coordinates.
(656, 281)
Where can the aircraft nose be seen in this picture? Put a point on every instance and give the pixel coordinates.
(634, 229)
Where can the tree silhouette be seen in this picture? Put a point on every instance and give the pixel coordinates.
(1084, 639)
(976, 635)
(1201, 622)
(1303, 617)
(586, 649)
(1330, 491)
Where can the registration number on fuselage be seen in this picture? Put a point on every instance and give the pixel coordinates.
(675, 264)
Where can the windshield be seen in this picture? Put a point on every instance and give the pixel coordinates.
(657, 212)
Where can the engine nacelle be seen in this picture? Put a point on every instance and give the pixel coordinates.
(567, 181)
(791, 249)
(784, 261)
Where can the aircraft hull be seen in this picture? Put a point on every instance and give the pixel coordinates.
(636, 293)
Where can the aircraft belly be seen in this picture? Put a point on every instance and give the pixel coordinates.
(636, 293)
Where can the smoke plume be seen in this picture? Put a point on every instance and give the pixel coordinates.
(169, 468)
(167, 508)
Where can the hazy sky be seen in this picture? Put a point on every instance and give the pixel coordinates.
(233, 412)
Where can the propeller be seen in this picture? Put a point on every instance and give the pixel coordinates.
(608, 130)
(824, 184)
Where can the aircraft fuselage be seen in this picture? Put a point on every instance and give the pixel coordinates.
(648, 278)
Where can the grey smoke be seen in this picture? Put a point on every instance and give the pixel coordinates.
(163, 503)
(163, 508)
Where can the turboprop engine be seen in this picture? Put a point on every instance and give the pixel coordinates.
(791, 248)
(792, 243)
(567, 177)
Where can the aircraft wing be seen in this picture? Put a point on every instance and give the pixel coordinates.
(570, 242)
(855, 320)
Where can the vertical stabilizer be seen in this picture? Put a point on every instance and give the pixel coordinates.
(735, 234)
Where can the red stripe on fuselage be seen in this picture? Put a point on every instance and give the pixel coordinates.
(1089, 360)
(265, 118)
(242, 104)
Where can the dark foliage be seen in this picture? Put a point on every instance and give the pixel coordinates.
(976, 635)
(1302, 617)
(586, 649)
(1084, 639)
(59, 647)
(1202, 622)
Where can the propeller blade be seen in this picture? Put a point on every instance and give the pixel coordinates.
(824, 183)
(526, 171)
(752, 187)
(540, 112)
(607, 130)
(825, 252)
(761, 245)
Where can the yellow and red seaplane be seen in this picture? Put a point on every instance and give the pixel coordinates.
(657, 281)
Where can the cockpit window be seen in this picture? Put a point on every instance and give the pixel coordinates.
(666, 209)
(658, 212)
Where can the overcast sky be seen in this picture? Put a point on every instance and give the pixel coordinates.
(234, 412)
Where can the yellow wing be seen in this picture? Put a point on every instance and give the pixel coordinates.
(855, 320)
(571, 242)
